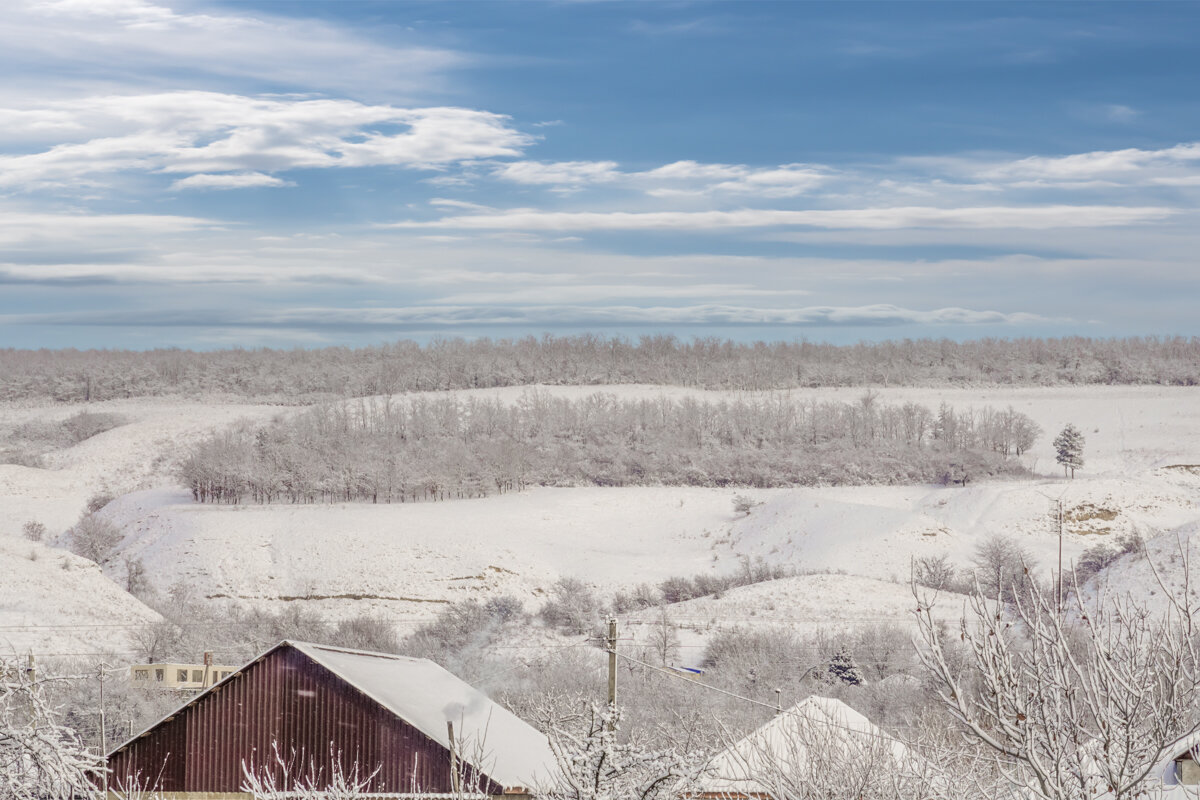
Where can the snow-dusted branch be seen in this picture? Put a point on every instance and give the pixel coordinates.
(1070, 705)
(40, 759)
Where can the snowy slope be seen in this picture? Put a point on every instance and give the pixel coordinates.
(408, 560)
(81, 611)
(138, 455)
(54, 603)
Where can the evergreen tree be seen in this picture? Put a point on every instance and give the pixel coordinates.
(843, 667)
(1069, 446)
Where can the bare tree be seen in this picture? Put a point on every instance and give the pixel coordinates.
(595, 764)
(1074, 704)
(40, 759)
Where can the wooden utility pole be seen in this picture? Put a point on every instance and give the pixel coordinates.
(103, 724)
(612, 662)
(1060, 538)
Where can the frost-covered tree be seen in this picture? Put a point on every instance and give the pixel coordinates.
(40, 758)
(843, 668)
(595, 764)
(1068, 447)
(1073, 704)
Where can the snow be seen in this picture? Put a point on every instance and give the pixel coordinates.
(781, 746)
(488, 736)
(802, 604)
(56, 604)
(407, 561)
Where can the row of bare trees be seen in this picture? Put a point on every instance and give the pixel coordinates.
(406, 366)
(421, 449)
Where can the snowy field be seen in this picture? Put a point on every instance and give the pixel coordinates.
(405, 561)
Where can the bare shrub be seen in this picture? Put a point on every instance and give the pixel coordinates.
(1002, 568)
(366, 632)
(137, 583)
(87, 424)
(742, 504)
(94, 538)
(34, 531)
(572, 607)
(1099, 557)
(936, 572)
(98, 501)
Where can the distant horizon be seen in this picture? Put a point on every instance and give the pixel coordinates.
(634, 339)
(212, 173)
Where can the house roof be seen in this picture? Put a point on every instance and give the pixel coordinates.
(783, 744)
(489, 737)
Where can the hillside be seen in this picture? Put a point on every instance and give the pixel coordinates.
(407, 560)
(56, 604)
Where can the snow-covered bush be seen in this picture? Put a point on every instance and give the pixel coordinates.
(40, 758)
(595, 762)
(572, 608)
(94, 538)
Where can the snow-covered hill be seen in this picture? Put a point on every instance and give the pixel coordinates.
(53, 603)
(801, 604)
(408, 560)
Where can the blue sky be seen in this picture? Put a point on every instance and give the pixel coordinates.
(208, 174)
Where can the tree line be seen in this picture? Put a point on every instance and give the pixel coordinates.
(383, 451)
(292, 376)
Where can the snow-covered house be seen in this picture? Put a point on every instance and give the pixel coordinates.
(807, 745)
(327, 710)
(1181, 768)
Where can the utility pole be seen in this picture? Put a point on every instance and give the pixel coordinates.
(103, 724)
(612, 662)
(1060, 538)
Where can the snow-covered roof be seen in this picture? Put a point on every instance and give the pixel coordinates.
(489, 737)
(783, 745)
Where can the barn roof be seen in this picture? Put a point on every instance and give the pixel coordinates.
(783, 744)
(489, 737)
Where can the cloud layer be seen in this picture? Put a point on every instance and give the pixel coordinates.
(205, 133)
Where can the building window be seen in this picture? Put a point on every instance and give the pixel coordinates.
(197, 676)
(141, 674)
(181, 676)
(159, 674)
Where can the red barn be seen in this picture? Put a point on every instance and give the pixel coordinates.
(325, 709)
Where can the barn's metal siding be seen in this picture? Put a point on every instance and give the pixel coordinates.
(316, 718)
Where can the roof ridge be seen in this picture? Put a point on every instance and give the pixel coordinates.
(352, 651)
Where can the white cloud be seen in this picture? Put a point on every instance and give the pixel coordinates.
(137, 41)
(1033, 217)
(570, 315)
(235, 180)
(590, 293)
(24, 228)
(560, 173)
(208, 132)
(678, 179)
(1098, 169)
(684, 178)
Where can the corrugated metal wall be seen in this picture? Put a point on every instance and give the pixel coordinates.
(313, 715)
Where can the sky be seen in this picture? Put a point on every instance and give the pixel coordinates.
(301, 174)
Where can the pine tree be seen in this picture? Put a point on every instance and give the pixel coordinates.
(843, 667)
(1069, 446)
